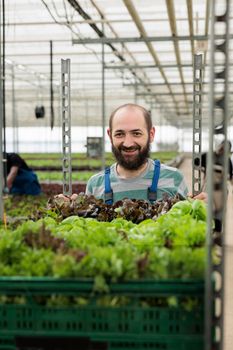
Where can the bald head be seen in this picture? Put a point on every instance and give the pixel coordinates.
(131, 107)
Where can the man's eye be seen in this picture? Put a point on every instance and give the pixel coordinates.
(137, 133)
(119, 134)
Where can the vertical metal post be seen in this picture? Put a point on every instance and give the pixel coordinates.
(51, 87)
(218, 108)
(197, 124)
(14, 116)
(160, 127)
(103, 102)
(4, 83)
(135, 91)
(66, 127)
(1, 120)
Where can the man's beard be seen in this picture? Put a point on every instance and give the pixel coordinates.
(137, 161)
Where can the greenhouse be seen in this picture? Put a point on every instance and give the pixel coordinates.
(116, 166)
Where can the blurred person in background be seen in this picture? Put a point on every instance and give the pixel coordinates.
(20, 178)
(218, 159)
(218, 174)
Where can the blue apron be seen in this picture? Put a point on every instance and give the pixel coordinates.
(26, 182)
(152, 190)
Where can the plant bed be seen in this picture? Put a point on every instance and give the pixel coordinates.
(81, 161)
(59, 168)
(45, 176)
(54, 188)
(106, 285)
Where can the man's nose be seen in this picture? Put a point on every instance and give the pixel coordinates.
(128, 140)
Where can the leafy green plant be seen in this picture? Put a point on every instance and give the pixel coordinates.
(170, 247)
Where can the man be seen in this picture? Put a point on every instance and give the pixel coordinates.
(135, 175)
(218, 159)
(20, 178)
(218, 174)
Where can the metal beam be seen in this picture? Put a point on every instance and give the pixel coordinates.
(87, 21)
(139, 24)
(146, 39)
(117, 20)
(173, 93)
(172, 21)
(99, 20)
(189, 4)
(207, 16)
(101, 35)
(144, 66)
(175, 83)
(126, 50)
(168, 65)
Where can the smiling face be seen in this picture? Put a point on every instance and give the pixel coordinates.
(130, 137)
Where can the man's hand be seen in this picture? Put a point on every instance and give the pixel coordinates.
(202, 196)
(67, 198)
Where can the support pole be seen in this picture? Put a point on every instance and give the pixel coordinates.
(135, 92)
(197, 124)
(103, 103)
(66, 127)
(51, 87)
(218, 108)
(14, 115)
(1, 121)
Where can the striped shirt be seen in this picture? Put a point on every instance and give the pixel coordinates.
(171, 182)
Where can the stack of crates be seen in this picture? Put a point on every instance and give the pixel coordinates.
(144, 319)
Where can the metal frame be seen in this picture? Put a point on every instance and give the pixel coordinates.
(101, 35)
(14, 115)
(120, 52)
(143, 35)
(103, 103)
(145, 39)
(173, 84)
(207, 16)
(1, 123)
(168, 94)
(116, 52)
(214, 294)
(189, 5)
(197, 124)
(172, 21)
(66, 127)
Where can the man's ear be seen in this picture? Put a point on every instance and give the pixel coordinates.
(152, 134)
(109, 132)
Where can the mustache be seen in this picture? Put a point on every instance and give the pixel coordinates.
(132, 148)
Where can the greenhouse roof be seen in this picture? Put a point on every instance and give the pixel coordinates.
(148, 49)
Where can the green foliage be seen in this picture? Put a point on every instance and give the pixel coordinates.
(199, 210)
(186, 262)
(44, 159)
(77, 247)
(195, 207)
(78, 159)
(58, 176)
(24, 205)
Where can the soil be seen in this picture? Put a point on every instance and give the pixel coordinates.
(51, 189)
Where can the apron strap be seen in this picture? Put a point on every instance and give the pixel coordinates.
(108, 194)
(152, 190)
